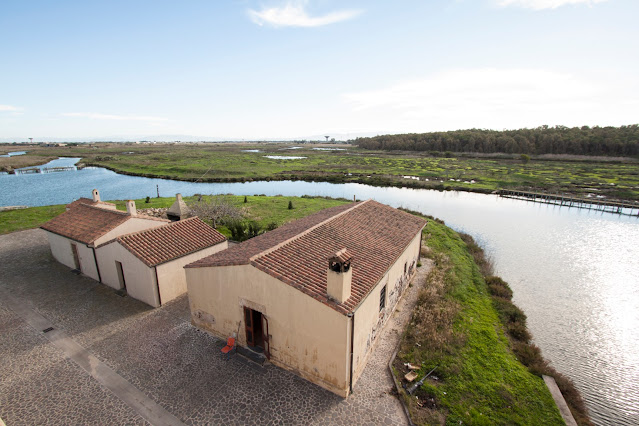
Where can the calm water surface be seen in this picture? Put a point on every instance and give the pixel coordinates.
(574, 272)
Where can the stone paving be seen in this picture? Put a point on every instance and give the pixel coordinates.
(160, 353)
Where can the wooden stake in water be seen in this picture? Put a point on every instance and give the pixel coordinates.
(157, 187)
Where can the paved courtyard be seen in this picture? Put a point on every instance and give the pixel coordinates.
(157, 351)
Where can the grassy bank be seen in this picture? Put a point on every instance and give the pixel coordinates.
(616, 178)
(456, 328)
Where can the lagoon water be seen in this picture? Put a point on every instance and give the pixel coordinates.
(574, 272)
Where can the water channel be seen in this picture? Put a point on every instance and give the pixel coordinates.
(574, 272)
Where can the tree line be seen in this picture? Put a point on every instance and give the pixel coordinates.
(606, 141)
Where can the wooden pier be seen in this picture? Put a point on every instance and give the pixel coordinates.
(628, 209)
(58, 169)
(27, 170)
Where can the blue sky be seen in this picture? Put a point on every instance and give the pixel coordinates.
(299, 68)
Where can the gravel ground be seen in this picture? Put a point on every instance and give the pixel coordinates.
(160, 353)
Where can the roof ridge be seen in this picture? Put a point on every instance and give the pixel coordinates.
(120, 212)
(306, 231)
(123, 213)
(143, 231)
(133, 248)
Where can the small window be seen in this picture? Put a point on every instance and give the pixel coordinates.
(382, 299)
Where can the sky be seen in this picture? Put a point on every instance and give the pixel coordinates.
(286, 69)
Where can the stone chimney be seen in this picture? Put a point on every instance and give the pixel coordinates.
(130, 208)
(96, 196)
(178, 210)
(339, 276)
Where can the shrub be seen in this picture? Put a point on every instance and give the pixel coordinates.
(253, 229)
(290, 204)
(218, 208)
(245, 199)
(508, 312)
(148, 199)
(499, 287)
(529, 355)
(238, 232)
(518, 331)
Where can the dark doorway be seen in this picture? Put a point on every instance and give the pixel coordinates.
(76, 258)
(118, 266)
(254, 333)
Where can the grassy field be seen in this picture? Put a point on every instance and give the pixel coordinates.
(18, 220)
(612, 178)
(456, 328)
(263, 210)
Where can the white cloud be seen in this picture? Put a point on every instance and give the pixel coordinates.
(545, 4)
(98, 116)
(294, 14)
(10, 108)
(495, 98)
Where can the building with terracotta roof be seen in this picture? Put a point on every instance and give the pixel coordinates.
(74, 234)
(313, 294)
(94, 201)
(149, 264)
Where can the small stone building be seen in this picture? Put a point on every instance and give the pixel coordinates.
(178, 210)
(149, 264)
(74, 234)
(313, 294)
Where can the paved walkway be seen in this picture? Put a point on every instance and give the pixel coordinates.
(108, 378)
(155, 351)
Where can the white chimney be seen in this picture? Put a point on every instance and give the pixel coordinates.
(339, 276)
(96, 196)
(130, 208)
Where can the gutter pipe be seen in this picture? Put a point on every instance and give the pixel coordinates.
(350, 380)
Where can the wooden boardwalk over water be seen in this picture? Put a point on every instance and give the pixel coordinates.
(629, 209)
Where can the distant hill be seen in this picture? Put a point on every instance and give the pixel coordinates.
(606, 141)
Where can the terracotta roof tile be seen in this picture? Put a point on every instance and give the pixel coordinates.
(159, 245)
(86, 223)
(241, 254)
(374, 234)
(90, 202)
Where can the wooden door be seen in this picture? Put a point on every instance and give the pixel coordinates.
(267, 338)
(118, 267)
(248, 323)
(76, 258)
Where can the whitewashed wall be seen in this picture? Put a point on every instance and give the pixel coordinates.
(171, 275)
(369, 321)
(139, 278)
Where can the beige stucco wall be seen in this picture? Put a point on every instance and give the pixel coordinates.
(139, 278)
(307, 336)
(171, 275)
(134, 224)
(61, 249)
(62, 252)
(87, 261)
(368, 318)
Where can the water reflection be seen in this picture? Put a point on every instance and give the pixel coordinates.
(574, 272)
(13, 153)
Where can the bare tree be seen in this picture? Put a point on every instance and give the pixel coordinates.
(216, 208)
